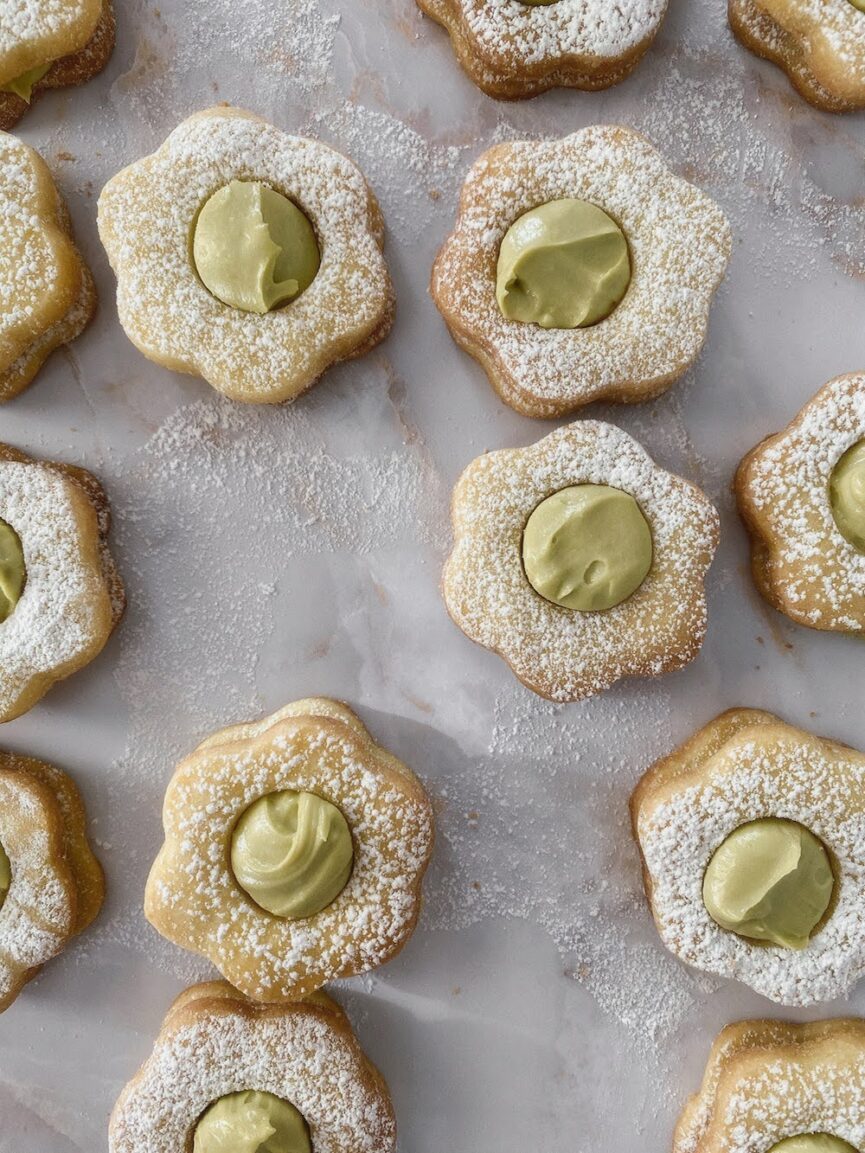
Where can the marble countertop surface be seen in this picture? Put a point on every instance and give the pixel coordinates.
(271, 554)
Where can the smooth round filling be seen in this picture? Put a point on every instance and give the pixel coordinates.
(13, 573)
(253, 248)
(292, 853)
(251, 1122)
(860, 4)
(847, 494)
(564, 264)
(5, 875)
(587, 547)
(23, 85)
(813, 1143)
(770, 880)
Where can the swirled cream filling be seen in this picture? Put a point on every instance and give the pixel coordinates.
(292, 853)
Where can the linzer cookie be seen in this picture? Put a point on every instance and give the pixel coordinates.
(518, 48)
(60, 593)
(51, 885)
(46, 45)
(801, 494)
(580, 561)
(46, 291)
(780, 1087)
(820, 44)
(580, 269)
(753, 856)
(294, 852)
(229, 1074)
(246, 256)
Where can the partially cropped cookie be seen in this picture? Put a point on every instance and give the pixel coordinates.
(779, 1087)
(47, 295)
(801, 494)
(753, 854)
(580, 561)
(51, 885)
(820, 44)
(229, 1074)
(60, 593)
(294, 852)
(517, 48)
(246, 256)
(46, 45)
(580, 269)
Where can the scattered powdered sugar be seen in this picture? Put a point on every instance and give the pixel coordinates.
(808, 562)
(679, 243)
(145, 217)
(38, 915)
(29, 28)
(60, 618)
(194, 897)
(299, 1055)
(789, 776)
(568, 655)
(769, 1080)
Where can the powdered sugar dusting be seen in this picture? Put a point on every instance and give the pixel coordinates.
(298, 1056)
(568, 655)
(789, 775)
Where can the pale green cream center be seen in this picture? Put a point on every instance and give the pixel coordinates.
(5, 875)
(587, 547)
(23, 85)
(253, 248)
(847, 494)
(770, 880)
(813, 1143)
(251, 1122)
(292, 853)
(860, 4)
(13, 573)
(564, 264)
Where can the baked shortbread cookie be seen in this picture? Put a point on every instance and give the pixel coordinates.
(51, 885)
(60, 593)
(580, 561)
(246, 256)
(780, 1087)
(227, 1073)
(513, 49)
(47, 295)
(608, 299)
(820, 44)
(49, 45)
(294, 852)
(752, 848)
(801, 494)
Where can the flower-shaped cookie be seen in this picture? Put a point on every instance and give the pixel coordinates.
(60, 593)
(767, 1082)
(678, 241)
(747, 766)
(558, 651)
(226, 1073)
(49, 45)
(820, 44)
(51, 885)
(801, 494)
(251, 350)
(46, 291)
(512, 49)
(294, 852)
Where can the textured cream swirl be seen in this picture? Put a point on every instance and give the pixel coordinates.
(292, 853)
(251, 1122)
